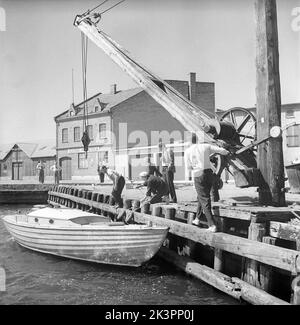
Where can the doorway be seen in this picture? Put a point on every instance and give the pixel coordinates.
(17, 171)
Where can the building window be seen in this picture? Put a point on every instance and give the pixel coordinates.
(289, 114)
(90, 131)
(96, 108)
(82, 161)
(293, 136)
(64, 135)
(76, 134)
(102, 131)
(103, 157)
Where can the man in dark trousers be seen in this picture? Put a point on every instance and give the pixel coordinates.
(100, 173)
(41, 170)
(118, 184)
(156, 186)
(168, 170)
(152, 169)
(197, 159)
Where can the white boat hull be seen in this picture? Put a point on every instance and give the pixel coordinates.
(130, 245)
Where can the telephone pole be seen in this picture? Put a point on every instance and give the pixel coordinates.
(268, 104)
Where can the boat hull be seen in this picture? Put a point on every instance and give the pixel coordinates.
(130, 245)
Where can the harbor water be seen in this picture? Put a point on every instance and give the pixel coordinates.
(34, 278)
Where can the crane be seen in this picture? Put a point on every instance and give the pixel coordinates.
(241, 162)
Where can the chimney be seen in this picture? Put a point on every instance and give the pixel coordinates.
(113, 89)
(193, 87)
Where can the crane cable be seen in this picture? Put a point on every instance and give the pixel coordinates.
(84, 49)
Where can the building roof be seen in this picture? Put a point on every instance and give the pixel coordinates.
(105, 102)
(44, 150)
(32, 150)
(4, 150)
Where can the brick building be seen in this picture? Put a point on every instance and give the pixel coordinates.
(18, 161)
(124, 127)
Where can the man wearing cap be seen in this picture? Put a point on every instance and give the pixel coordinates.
(118, 184)
(197, 159)
(156, 186)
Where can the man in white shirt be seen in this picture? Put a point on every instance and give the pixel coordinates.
(197, 159)
(168, 170)
(56, 169)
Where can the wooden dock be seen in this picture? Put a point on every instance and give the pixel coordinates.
(24, 193)
(255, 258)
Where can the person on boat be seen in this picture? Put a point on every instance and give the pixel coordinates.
(168, 169)
(41, 170)
(197, 159)
(118, 184)
(56, 169)
(157, 189)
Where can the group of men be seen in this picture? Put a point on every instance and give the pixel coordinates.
(160, 185)
(41, 172)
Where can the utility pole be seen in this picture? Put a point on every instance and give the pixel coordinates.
(268, 104)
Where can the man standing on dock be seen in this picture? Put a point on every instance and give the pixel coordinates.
(197, 159)
(118, 184)
(100, 173)
(168, 170)
(41, 170)
(56, 169)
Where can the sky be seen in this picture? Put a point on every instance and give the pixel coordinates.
(39, 47)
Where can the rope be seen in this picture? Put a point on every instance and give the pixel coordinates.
(98, 5)
(111, 7)
(84, 48)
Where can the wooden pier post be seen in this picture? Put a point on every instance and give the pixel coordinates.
(218, 253)
(170, 213)
(145, 208)
(100, 198)
(268, 104)
(106, 199)
(74, 205)
(80, 195)
(251, 268)
(156, 210)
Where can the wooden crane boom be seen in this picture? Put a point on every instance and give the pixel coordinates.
(193, 118)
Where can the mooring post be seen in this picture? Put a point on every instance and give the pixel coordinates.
(89, 197)
(75, 195)
(80, 195)
(266, 271)
(145, 208)
(69, 202)
(156, 210)
(111, 202)
(94, 199)
(251, 269)
(170, 213)
(295, 281)
(268, 104)
(100, 198)
(218, 253)
(296, 291)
